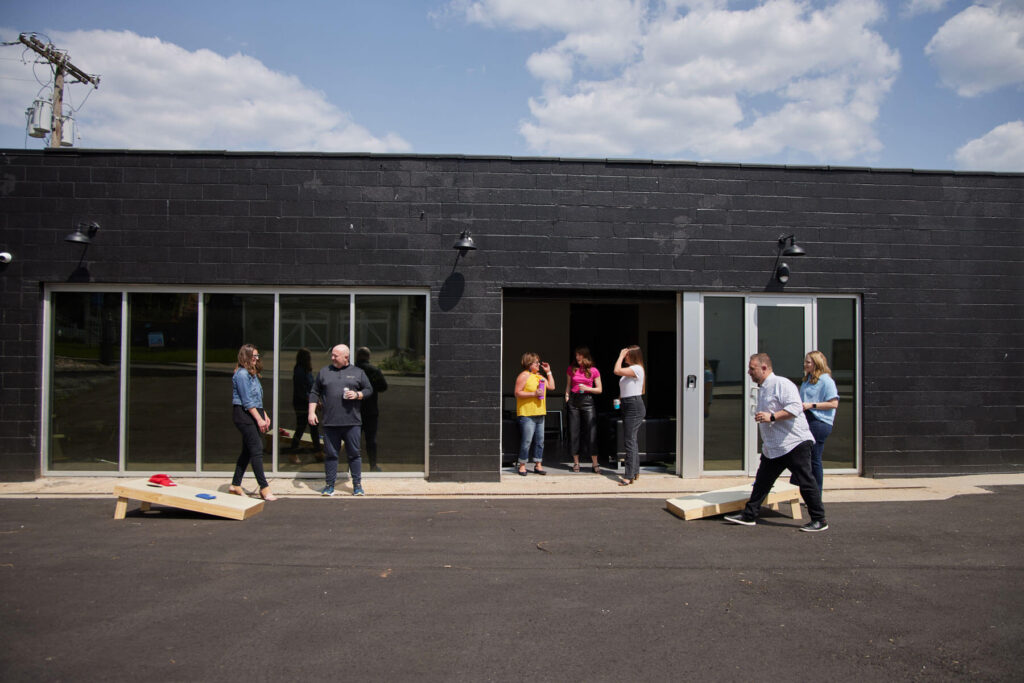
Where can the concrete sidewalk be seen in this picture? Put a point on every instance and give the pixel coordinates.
(558, 484)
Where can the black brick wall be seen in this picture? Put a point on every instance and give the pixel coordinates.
(936, 257)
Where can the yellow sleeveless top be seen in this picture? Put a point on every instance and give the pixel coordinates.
(533, 406)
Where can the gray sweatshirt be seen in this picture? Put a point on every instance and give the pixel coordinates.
(329, 388)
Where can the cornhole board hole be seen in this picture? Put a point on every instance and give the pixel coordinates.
(184, 497)
(783, 497)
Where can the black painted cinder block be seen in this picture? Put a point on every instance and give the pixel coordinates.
(935, 257)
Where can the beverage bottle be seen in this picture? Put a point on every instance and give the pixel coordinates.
(540, 388)
(616, 404)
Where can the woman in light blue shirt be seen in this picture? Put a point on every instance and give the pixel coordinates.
(250, 419)
(820, 399)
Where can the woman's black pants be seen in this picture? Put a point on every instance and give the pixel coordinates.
(252, 447)
(582, 425)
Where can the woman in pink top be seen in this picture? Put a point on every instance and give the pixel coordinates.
(583, 382)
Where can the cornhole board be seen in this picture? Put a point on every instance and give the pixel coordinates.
(184, 497)
(783, 497)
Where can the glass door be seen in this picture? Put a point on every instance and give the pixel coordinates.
(782, 328)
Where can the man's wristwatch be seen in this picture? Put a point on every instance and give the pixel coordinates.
(772, 418)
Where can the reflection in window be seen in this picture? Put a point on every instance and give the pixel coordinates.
(836, 328)
(725, 367)
(85, 381)
(315, 323)
(232, 320)
(162, 381)
(393, 330)
(161, 376)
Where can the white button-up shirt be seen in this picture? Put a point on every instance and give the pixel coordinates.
(782, 436)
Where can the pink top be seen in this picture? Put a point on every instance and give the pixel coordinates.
(577, 377)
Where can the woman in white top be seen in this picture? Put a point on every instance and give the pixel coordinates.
(630, 369)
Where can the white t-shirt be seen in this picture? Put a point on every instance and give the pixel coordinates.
(632, 386)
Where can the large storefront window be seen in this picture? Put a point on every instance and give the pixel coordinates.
(725, 367)
(161, 399)
(311, 325)
(175, 388)
(232, 320)
(391, 330)
(786, 328)
(837, 324)
(85, 381)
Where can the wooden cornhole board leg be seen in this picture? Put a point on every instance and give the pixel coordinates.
(783, 497)
(185, 498)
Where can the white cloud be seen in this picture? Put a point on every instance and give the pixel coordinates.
(981, 49)
(696, 79)
(157, 95)
(913, 8)
(1001, 149)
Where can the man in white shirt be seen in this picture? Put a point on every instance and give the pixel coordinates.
(786, 443)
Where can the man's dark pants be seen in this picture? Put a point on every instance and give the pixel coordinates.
(333, 436)
(798, 461)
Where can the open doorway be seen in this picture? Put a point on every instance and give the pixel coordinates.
(553, 324)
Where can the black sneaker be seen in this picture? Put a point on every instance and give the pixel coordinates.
(739, 518)
(815, 525)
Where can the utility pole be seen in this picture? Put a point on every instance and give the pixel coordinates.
(61, 66)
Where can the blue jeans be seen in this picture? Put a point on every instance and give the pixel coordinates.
(633, 414)
(531, 439)
(820, 430)
(333, 436)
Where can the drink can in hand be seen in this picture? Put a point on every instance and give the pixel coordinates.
(616, 404)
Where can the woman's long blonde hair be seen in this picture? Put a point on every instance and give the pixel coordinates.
(820, 364)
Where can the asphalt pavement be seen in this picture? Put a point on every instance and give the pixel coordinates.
(508, 589)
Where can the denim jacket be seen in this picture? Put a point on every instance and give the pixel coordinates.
(247, 392)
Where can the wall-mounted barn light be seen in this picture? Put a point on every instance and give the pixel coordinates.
(464, 243)
(793, 249)
(83, 234)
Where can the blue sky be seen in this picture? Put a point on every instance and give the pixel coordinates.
(927, 84)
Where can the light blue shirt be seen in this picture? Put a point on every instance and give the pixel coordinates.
(247, 390)
(822, 392)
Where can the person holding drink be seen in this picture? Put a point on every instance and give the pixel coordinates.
(583, 382)
(532, 385)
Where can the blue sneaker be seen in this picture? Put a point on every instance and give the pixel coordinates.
(358, 490)
(327, 491)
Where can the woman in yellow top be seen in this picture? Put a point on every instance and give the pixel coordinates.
(532, 385)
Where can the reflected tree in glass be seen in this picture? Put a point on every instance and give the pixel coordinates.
(85, 381)
(162, 356)
(232, 320)
(317, 323)
(393, 328)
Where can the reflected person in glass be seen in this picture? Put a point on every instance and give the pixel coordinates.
(302, 384)
(250, 419)
(371, 409)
